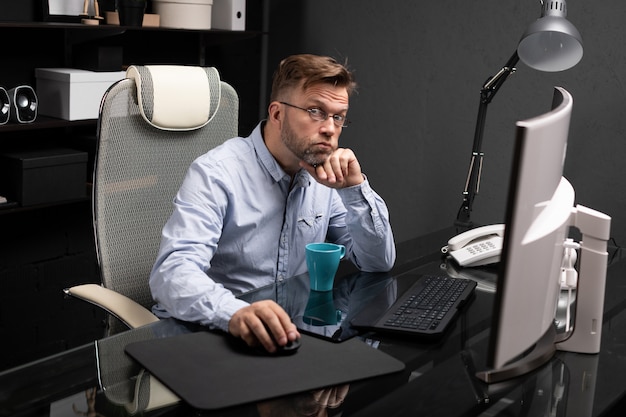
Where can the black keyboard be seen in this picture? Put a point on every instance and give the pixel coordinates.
(428, 307)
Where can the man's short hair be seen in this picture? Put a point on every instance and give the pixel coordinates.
(310, 69)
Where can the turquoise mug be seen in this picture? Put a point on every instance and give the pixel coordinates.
(322, 261)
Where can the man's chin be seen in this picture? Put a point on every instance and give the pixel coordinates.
(315, 160)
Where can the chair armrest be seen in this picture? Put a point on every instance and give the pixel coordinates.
(150, 394)
(128, 311)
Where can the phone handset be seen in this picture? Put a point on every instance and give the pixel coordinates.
(479, 246)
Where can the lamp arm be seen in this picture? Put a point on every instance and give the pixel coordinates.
(472, 183)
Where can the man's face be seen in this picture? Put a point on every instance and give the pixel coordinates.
(308, 149)
(313, 140)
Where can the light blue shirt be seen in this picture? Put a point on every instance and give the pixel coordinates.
(240, 222)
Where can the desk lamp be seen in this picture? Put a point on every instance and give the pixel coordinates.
(551, 43)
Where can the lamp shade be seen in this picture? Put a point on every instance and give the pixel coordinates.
(551, 43)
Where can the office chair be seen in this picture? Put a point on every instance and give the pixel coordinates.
(124, 382)
(151, 126)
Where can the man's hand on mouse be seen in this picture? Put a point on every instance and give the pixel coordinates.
(255, 322)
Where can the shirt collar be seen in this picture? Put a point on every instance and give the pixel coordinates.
(302, 177)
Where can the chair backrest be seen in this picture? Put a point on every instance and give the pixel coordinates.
(151, 126)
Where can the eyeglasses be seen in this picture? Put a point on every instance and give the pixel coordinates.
(320, 115)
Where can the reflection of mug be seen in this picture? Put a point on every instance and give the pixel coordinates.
(322, 260)
(320, 309)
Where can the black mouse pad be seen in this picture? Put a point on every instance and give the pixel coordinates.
(212, 370)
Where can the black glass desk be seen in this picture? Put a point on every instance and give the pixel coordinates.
(437, 380)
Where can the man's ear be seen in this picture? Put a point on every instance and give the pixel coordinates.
(274, 112)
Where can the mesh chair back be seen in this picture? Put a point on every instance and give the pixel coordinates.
(138, 170)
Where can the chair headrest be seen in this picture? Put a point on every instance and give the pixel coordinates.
(176, 97)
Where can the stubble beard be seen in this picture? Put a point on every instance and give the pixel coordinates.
(300, 148)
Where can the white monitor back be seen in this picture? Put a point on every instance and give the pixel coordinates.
(537, 223)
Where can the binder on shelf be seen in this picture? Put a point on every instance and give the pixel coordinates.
(228, 14)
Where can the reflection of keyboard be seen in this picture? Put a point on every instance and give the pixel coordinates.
(428, 307)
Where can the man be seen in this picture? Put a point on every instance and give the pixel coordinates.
(247, 208)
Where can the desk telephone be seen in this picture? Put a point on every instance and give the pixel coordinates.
(479, 246)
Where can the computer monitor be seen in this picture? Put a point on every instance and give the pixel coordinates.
(540, 213)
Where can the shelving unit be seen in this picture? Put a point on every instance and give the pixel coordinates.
(44, 122)
(52, 45)
(46, 248)
(56, 44)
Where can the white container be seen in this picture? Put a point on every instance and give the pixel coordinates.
(229, 14)
(184, 14)
(72, 94)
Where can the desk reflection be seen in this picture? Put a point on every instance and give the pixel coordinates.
(565, 387)
(128, 389)
(316, 403)
(327, 314)
(435, 382)
(123, 381)
(131, 389)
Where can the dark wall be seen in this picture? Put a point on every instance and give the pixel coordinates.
(420, 66)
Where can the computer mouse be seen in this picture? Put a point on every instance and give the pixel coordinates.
(239, 345)
(289, 349)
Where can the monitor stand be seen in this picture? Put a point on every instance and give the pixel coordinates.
(539, 354)
(587, 329)
(595, 228)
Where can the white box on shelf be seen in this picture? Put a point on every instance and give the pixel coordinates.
(184, 14)
(72, 94)
(229, 14)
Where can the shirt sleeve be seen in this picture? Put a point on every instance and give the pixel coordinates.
(179, 281)
(365, 229)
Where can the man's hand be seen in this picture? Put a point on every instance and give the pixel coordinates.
(340, 170)
(252, 324)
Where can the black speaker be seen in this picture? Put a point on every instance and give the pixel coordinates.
(23, 104)
(5, 106)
